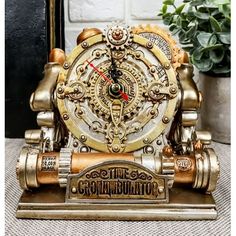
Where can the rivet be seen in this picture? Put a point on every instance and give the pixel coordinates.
(153, 70)
(65, 117)
(165, 119)
(83, 138)
(161, 189)
(152, 112)
(159, 142)
(116, 148)
(73, 190)
(149, 149)
(66, 65)
(80, 112)
(81, 69)
(84, 44)
(60, 90)
(75, 144)
(138, 54)
(173, 90)
(167, 65)
(146, 140)
(98, 54)
(149, 45)
(84, 149)
(76, 90)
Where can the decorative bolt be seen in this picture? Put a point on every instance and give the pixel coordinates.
(98, 54)
(159, 142)
(149, 149)
(73, 190)
(136, 128)
(146, 140)
(65, 117)
(173, 90)
(84, 44)
(75, 144)
(116, 148)
(66, 65)
(60, 90)
(81, 69)
(161, 189)
(80, 112)
(167, 65)
(84, 149)
(138, 54)
(83, 138)
(153, 70)
(165, 120)
(149, 45)
(152, 112)
(76, 90)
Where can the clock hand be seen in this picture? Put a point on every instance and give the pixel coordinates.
(123, 95)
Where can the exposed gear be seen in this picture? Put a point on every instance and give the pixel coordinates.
(118, 37)
(98, 91)
(164, 41)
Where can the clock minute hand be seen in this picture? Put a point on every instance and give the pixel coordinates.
(123, 95)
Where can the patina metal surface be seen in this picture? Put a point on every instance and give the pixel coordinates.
(117, 120)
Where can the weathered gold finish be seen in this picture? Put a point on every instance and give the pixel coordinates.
(117, 124)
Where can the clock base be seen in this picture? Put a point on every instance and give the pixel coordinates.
(48, 202)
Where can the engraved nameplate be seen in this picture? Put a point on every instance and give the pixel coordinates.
(117, 180)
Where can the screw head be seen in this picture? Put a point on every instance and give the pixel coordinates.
(60, 90)
(149, 149)
(66, 65)
(159, 142)
(75, 144)
(116, 148)
(81, 69)
(84, 149)
(84, 44)
(173, 90)
(65, 117)
(73, 190)
(149, 45)
(83, 138)
(146, 140)
(167, 65)
(165, 120)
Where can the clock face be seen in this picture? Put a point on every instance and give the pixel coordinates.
(118, 91)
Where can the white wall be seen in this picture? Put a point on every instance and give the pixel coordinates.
(81, 14)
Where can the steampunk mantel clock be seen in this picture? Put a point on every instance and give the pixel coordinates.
(117, 137)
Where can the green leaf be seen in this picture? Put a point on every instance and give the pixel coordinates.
(203, 65)
(191, 31)
(201, 15)
(167, 18)
(217, 55)
(164, 9)
(203, 38)
(224, 37)
(214, 24)
(212, 40)
(179, 9)
(211, 47)
(196, 2)
(168, 2)
(197, 54)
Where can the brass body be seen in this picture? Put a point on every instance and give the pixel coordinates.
(87, 134)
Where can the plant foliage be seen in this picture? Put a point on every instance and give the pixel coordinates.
(203, 29)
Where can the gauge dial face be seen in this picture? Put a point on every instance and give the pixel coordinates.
(117, 91)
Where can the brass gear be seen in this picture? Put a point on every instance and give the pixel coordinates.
(99, 98)
(176, 55)
(118, 37)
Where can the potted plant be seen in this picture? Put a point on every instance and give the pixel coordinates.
(203, 30)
